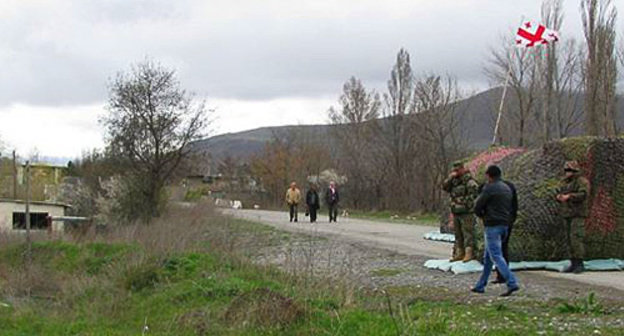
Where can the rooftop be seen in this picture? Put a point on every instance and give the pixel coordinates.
(9, 200)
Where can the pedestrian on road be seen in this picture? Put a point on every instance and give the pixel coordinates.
(463, 190)
(332, 198)
(312, 202)
(495, 206)
(293, 197)
(572, 198)
(514, 214)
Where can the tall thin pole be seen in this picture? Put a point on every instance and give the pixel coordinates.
(546, 89)
(14, 176)
(502, 101)
(27, 214)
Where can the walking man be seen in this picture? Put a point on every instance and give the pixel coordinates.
(572, 198)
(332, 198)
(312, 202)
(505, 246)
(463, 191)
(494, 206)
(293, 197)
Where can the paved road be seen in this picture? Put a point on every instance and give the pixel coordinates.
(401, 238)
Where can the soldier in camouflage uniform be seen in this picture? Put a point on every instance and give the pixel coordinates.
(463, 190)
(572, 197)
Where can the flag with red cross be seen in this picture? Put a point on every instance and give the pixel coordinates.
(531, 34)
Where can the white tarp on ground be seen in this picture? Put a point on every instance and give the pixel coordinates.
(437, 236)
(459, 267)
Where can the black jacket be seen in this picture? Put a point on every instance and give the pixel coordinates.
(497, 203)
(312, 199)
(330, 198)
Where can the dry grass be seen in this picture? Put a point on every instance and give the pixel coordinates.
(263, 307)
(187, 228)
(179, 230)
(126, 275)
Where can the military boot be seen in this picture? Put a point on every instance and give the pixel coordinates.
(459, 255)
(468, 256)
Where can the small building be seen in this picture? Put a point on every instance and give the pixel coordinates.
(13, 215)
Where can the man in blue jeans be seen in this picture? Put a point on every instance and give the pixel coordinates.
(495, 206)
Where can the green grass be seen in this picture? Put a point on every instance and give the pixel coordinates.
(386, 272)
(112, 289)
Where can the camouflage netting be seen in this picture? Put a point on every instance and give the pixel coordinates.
(539, 232)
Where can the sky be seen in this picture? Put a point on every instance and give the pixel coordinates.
(255, 63)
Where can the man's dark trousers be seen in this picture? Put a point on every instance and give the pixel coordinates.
(333, 212)
(312, 211)
(293, 212)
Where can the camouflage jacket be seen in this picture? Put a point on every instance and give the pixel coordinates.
(463, 191)
(578, 189)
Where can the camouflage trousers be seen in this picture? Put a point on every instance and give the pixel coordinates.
(575, 232)
(464, 231)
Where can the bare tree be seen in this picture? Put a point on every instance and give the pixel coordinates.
(290, 155)
(356, 124)
(521, 66)
(313, 149)
(438, 127)
(149, 125)
(600, 68)
(398, 139)
(561, 83)
(566, 107)
(552, 17)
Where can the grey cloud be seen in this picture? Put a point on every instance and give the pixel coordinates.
(244, 49)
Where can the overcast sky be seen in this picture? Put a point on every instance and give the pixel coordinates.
(257, 62)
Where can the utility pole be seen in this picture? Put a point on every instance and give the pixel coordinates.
(27, 215)
(14, 176)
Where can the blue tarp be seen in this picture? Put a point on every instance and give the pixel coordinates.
(459, 267)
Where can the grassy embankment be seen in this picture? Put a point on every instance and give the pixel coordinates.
(190, 274)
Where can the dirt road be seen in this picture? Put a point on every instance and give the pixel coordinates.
(401, 238)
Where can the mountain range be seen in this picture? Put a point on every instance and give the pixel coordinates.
(476, 114)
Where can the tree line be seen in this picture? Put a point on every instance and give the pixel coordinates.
(396, 147)
(393, 147)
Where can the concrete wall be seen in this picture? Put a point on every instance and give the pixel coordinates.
(8, 208)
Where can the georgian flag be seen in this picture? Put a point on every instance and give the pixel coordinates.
(531, 34)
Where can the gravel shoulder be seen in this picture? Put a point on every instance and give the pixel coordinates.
(378, 254)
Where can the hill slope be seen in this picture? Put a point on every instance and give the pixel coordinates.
(477, 115)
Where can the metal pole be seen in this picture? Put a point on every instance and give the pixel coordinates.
(14, 176)
(502, 102)
(27, 214)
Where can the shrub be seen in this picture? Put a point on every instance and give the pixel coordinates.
(142, 276)
(589, 305)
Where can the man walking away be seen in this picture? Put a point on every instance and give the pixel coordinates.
(312, 202)
(332, 198)
(572, 198)
(514, 214)
(463, 191)
(293, 197)
(494, 206)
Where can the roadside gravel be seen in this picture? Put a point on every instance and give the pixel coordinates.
(373, 268)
